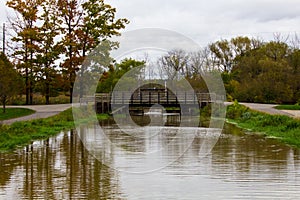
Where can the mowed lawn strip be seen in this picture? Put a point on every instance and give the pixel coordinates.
(288, 107)
(11, 113)
(22, 133)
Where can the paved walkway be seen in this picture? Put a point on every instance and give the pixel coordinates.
(44, 111)
(269, 108)
(41, 111)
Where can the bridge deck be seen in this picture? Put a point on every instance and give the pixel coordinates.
(149, 98)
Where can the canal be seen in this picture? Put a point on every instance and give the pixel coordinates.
(78, 164)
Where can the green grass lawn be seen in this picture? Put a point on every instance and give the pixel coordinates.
(288, 107)
(22, 133)
(14, 113)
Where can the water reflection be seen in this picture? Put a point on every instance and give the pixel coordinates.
(240, 166)
(146, 148)
(57, 168)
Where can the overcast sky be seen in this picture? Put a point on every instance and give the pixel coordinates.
(207, 21)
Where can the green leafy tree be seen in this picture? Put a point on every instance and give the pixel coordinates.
(110, 78)
(10, 82)
(225, 53)
(294, 62)
(264, 75)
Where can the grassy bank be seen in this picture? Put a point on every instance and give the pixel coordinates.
(283, 128)
(22, 133)
(14, 113)
(288, 107)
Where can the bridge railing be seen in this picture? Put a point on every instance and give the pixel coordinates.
(85, 100)
(154, 97)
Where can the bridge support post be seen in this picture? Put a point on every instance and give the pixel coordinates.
(158, 97)
(167, 97)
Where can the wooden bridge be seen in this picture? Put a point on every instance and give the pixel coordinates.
(146, 98)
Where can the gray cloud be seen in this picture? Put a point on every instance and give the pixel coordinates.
(3, 11)
(206, 21)
(264, 11)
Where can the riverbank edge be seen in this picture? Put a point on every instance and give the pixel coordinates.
(20, 134)
(280, 127)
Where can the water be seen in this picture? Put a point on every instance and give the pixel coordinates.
(240, 166)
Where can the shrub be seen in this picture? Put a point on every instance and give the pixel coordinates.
(236, 110)
(246, 115)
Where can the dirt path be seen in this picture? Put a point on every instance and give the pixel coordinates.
(41, 111)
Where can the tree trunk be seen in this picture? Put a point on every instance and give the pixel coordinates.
(71, 94)
(31, 93)
(47, 99)
(31, 85)
(47, 93)
(26, 86)
(4, 107)
(71, 87)
(4, 103)
(81, 80)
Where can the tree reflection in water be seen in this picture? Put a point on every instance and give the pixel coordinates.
(241, 166)
(57, 168)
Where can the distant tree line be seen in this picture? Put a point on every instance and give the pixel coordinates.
(252, 70)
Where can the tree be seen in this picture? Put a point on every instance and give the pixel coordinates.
(84, 26)
(9, 81)
(71, 16)
(66, 31)
(49, 49)
(25, 27)
(173, 63)
(199, 62)
(110, 78)
(223, 54)
(294, 62)
(264, 74)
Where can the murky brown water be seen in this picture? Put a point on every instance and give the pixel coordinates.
(240, 166)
